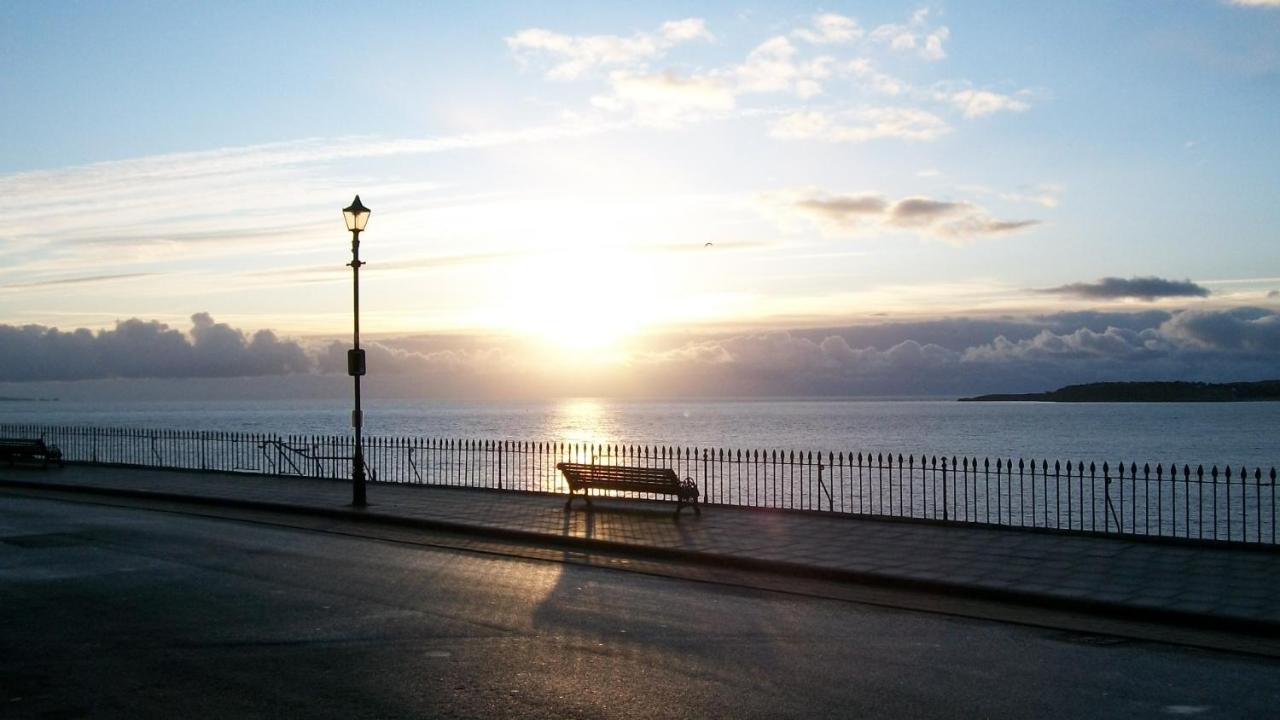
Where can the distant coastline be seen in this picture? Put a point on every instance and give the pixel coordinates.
(1146, 392)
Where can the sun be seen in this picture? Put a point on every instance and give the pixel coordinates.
(583, 300)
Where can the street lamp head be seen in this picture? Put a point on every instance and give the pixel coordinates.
(356, 215)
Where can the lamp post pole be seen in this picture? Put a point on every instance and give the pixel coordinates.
(356, 215)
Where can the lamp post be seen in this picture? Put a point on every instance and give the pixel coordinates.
(357, 216)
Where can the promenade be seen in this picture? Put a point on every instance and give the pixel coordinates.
(1214, 587)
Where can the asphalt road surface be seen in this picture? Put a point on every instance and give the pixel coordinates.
(115, 612)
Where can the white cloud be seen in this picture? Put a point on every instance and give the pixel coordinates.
(1045, 195)
(914, 36)
(881, 83)
(120, 216)
(665, 99)
(805, 63)
(570, 56)
(979, 103)
(1255, 3)
(773, 67)
(863, 125)
(830, 29)
(678, 31)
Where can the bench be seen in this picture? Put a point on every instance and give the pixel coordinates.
(662, 481)
(16, 449)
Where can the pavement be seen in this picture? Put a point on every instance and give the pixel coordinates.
(117, 610)
(1222, 588)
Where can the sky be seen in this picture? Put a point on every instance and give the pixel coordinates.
(644, 198)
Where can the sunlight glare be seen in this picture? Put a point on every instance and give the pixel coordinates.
(583, 300)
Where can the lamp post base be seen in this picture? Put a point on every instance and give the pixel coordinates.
(357, 490)
(358, 497)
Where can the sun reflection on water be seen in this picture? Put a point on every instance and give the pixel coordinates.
(583, 420)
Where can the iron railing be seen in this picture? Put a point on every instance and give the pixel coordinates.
(1231, 504)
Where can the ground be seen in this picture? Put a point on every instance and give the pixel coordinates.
(125, 612)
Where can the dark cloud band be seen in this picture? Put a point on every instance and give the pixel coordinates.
(939, 357)
(1140, 288)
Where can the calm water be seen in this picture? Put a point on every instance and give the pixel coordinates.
(1174, 432)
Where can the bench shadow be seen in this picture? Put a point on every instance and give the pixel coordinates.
(650, 621)
(628, 508)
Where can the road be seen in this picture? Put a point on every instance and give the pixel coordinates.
(125, 612)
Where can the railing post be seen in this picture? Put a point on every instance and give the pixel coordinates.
(945, 512)
(706, 486)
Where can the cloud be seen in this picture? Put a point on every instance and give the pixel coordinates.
(666, 99)
(963, 356)
(915, 36)
(1246, 329)
(570, 56)
(1141, 288)
(980, 103)
(1044, 194)
(1200, 344)
(130, 216)
(857, 126)
(829, 29)
(83, 280)
(678, 31)
(944, 356)
(146, 349)
(1255, 3)
(1082, 344)
(858, 214)
(773, 67)
(845, 208)
(863, 70)
(388, 359)
(801, 63)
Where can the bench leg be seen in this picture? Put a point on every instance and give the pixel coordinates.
(584, 496)
(681, 502)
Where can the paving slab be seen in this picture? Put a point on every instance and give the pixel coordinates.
(1218, 586)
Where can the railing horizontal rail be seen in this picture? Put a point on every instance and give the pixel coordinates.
(1228, 503)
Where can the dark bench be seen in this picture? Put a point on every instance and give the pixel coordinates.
(662, 481)
(15, 449)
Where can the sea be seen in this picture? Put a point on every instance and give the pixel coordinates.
(1220, 434)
